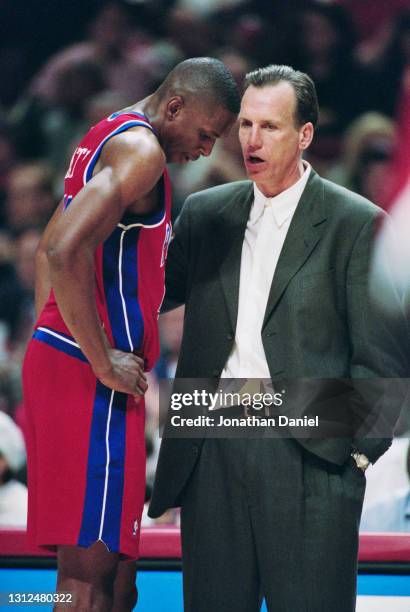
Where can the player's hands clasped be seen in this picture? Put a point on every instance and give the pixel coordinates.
(126, 374)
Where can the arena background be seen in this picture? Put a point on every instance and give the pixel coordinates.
(66, 64)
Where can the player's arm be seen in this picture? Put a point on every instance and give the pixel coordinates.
(129, 167)
(42, 271)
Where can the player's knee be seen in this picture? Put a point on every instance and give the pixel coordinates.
(90, 591)
(126, 600)
(101, 580)
(88, 595)
(125, 590)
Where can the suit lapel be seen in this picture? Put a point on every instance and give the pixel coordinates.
(228, 239)
(304, 233)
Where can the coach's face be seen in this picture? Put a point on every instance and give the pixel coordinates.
(272, 141)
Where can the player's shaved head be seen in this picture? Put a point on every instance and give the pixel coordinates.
(196, 104)
(205, 79)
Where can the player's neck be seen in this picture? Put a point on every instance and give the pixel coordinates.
(150, 107)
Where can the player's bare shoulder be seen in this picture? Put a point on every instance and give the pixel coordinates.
(137, 160)
(138, 142)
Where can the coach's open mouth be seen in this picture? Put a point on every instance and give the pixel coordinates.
(254, 162)
(254, 159)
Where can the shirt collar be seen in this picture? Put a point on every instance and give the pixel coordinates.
(282, 205)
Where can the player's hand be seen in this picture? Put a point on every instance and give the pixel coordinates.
(126, 374)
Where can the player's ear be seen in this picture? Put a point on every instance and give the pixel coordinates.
(174, 107)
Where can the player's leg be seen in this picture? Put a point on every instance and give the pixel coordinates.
(88, 574)
(133, 497)
(125, 590)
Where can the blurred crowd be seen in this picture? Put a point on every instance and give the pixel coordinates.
(65, 66)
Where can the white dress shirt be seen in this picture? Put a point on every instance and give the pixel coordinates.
(266, 230)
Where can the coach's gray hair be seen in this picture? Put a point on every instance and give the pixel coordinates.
(307, 107)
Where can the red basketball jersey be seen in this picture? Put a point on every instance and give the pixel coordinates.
(129, 265)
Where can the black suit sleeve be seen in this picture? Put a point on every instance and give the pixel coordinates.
(176, 270)
(379, 360)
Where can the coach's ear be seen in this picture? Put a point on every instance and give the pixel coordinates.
(174, 107)
(306, 135)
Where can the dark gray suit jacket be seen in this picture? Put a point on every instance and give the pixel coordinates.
(320, 321)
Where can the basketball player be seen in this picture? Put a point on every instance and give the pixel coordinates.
(103, 255)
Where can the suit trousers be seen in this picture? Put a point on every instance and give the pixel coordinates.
(263, 517)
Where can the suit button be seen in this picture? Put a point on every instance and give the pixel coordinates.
(195, 449)
(216, 373)
(229, 336)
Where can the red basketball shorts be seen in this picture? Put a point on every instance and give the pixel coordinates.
(86, 451)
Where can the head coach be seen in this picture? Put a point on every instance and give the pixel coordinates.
(274, 274)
